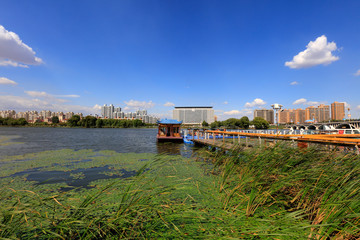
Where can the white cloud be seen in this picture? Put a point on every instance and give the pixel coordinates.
(47, 95)
(37, 94)
(13, 52)
(169, 104)
(316, 53)
(300, 101)
(233, 112)
(7, 81)
(133, 104)
(256, 103)
(223, 115)
(11, 63)
(18, 103)
(226, 102)
(304, 101)
(357, 73)
(294, 83)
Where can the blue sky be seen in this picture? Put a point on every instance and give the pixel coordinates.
(233, 55)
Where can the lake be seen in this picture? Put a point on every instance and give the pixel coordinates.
(22, 140)
(76, 157)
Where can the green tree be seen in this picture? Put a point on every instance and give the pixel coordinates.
(22, 121)
(138, 123)
(88, 121)
(205, 124)
(55, 119)
(260, 123)
(244, 122)
(74, 120)
(99, 123)
(216, 124)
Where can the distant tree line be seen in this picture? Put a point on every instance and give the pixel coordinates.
(93, 122)
(76, 121)
(13, 122)
(242, 123)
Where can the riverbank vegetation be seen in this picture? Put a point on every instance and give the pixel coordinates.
(12, 122)
(276, 192)
(76, 121)
(242, 123)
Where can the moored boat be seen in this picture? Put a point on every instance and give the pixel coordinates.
(169, 131)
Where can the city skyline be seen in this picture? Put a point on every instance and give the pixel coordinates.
(235, 56)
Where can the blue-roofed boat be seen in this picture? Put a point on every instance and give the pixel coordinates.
(169, 130)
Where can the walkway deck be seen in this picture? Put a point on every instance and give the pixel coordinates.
(347, 140)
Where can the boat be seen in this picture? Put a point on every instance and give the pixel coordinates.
(169, 130)
(187, 139)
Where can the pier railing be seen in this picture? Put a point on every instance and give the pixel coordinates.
(217, 137)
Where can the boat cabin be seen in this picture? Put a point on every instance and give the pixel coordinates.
(169, 131)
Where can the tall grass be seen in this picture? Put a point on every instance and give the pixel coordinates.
(266, 193)
(321, 187)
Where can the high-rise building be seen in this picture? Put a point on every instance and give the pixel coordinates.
(267, 114)
(194, 115)
(337, 111)
(112, 112)
(299, 116)
(318, 114)
(296, 116)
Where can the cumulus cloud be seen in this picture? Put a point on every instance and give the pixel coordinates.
(18, 103)
(236, 113)
(357, 73)
(304, 101)
(294, 83)
(226, 102)
(133, 104)
(300, 101)
(6, 81)
(316, 53)
(13, 52)
(256, 103)
(233, 112)
(169, 104)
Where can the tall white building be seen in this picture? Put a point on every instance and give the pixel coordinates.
(194, 115)
(115, 112)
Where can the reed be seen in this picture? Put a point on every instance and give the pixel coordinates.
(276, 192)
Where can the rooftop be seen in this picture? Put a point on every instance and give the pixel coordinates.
(193, 107)
(169, 121)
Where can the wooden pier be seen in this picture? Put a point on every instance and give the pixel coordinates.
(218, 139)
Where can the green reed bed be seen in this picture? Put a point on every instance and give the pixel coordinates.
(266, 193)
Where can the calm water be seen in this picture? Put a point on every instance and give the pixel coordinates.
(116, 139)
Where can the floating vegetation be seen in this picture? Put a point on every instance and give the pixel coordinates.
(9, 140)
(266, 193)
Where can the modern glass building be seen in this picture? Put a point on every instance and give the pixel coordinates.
(194, 115)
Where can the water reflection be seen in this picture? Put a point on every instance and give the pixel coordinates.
(119, 140)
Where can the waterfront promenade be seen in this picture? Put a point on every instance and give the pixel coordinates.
(229, 140)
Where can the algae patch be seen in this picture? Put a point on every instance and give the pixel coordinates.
(9, 140)
(75, 168)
